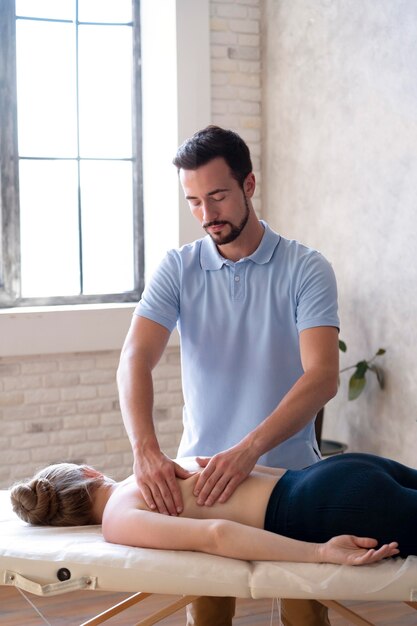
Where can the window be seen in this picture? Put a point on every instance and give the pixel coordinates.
(70, 144)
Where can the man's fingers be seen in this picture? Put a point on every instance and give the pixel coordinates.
(219, 478)
(210, 494)
(175, 496)
(203, 478)
(203, 461)
(159, 500)
(208, 487)
(229, 489)
(168, 497)
(220, 490)
(147, 496)
(181, 472)
(153, 498)
(156, 478)
(215, 481)
(163, 496)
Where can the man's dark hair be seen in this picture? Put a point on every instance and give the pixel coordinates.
(213, 142)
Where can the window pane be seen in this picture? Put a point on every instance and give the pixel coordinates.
(105, 69)
(105, 10)
(107, 220)
(49, 228)
(61, 10)
(46, 89)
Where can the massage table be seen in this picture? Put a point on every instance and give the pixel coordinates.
(47, 560)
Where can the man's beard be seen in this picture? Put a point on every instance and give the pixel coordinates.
(234, 230)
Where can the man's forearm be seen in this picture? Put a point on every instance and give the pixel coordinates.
(309, 394)
(136, 396)
(142, 350)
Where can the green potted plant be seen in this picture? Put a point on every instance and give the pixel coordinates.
(357, 383)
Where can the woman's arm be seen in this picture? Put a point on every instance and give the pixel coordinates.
(230, 539)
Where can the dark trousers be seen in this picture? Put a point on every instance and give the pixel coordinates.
(211, 611)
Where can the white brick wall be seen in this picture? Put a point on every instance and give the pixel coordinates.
(65, 407)
(236, 73)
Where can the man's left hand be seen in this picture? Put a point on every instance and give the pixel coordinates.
(222, 473)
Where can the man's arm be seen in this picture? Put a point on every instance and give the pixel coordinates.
(319, 351)
(155, 473)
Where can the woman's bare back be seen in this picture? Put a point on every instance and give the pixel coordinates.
(247, 504)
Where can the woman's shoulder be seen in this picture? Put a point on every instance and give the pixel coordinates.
(126, 495)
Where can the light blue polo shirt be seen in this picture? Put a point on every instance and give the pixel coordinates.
(239, 325)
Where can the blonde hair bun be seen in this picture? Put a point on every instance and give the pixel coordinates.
(35, 502)
(59, 495)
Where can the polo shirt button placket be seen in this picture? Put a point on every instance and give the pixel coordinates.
(238, 286)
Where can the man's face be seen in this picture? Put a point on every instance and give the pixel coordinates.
(216, 200)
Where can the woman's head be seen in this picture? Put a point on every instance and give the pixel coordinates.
(59, 495)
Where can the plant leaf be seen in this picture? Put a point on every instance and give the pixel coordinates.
(342, 346)
(356, 386)
(379, 375)
(380, 351)
(361, 369)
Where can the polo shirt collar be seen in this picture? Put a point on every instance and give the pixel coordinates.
(211, 259)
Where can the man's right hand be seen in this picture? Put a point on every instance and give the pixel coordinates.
(156, 476)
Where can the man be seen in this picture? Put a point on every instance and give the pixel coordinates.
(257, 317)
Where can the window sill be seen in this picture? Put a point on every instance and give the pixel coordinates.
(62, 329)
(59, 329)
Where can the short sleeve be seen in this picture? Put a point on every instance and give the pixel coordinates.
(160, 298)
(317, 294)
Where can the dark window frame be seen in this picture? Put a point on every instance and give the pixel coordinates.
(9, 179)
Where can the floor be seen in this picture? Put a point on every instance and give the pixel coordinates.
(74, 608)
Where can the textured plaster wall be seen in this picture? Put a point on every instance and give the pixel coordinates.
(340, 174)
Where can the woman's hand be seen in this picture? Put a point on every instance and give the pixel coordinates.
(351, 550)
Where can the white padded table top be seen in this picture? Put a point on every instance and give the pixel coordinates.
(37, 553)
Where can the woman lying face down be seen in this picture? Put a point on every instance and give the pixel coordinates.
(345, 509)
